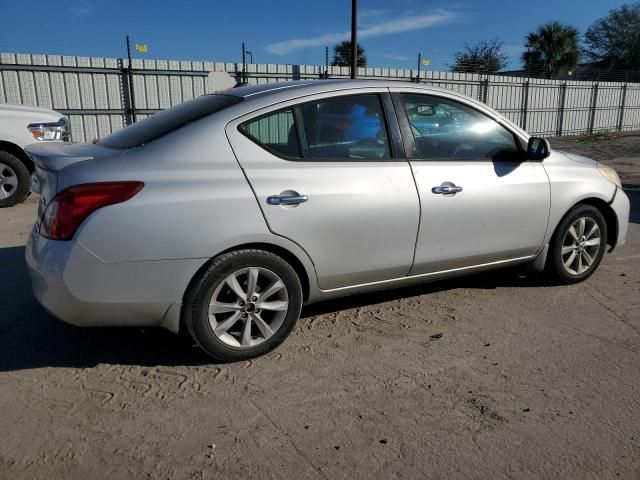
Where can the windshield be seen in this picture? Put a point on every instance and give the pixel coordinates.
(168, 121)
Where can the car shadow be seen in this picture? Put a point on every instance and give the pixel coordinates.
(31, 338)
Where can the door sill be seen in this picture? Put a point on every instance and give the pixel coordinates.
(417, 278)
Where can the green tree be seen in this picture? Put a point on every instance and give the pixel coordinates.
(342, 55)
(614, 41)
(485, 57)
(551, 48)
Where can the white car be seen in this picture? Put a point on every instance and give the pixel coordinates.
(20, 126)
(224, 214)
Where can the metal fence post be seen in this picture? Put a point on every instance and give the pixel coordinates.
(484, 90)
(524, 105)
(622, 105)
(237, 74)
(594, 102)
(125, 93)
(561, 103)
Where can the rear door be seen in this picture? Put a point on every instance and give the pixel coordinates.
(482, 201)
(327, 175)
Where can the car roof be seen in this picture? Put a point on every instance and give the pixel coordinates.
(262, 95)
(309, 87)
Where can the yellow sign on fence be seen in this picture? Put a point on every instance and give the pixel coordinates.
(426, 61)
(142, 47)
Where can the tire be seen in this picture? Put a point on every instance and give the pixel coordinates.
(222, 333)
(574, 266)
(15, 180)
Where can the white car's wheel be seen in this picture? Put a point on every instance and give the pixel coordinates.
(578, 244)
(243, 305)
(14, 180)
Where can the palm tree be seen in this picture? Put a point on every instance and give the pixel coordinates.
(551, 48)
(342, 55)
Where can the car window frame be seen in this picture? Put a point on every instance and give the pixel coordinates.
(408, 138)
(394, 136)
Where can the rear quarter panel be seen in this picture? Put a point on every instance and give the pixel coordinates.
(196, 201)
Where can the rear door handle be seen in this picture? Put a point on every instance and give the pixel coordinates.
(446, 189)
(286, 199)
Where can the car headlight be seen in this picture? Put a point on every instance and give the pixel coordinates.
(610, 174)
(52, 131)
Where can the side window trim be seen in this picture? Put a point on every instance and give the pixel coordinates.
(394, 137)
(411, 148)
(393, 127)
(302, 138)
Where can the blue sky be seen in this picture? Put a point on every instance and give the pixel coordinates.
(283, 31)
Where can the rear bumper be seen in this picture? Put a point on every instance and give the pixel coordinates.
(78, 288)
(621, 207)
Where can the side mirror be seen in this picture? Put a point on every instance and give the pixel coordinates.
(538, 148)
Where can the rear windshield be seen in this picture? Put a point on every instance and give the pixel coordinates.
(167, 121)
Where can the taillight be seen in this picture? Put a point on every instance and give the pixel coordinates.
(72, 206)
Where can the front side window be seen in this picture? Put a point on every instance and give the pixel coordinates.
(445, 129)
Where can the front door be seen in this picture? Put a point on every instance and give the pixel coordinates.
(482, 201)
(327, 177)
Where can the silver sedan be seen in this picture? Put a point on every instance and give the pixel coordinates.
(227, 213)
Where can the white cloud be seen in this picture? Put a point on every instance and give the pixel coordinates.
(405, 23)
(81, 8)
(400, 58)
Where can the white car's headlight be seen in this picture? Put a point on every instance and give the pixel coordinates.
(610, 174)
(52, 131)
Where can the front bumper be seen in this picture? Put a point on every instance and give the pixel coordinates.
(77, 287)
(621, 207)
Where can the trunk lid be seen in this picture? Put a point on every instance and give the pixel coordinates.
(50, 159)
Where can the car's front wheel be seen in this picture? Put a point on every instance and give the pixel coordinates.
(243, 305)
(578, 244)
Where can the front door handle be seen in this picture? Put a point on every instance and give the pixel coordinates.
(286, 199)
(446, 189)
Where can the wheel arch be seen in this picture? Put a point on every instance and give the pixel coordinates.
(15, 150)
(607, 212)
(303, 274)
(174, 320)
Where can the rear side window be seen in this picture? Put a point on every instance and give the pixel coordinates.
(167, 121)
(276, 132)
(347, 128)
(351, 127)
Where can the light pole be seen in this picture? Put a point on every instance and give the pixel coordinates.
(354, 39)
(250, 53)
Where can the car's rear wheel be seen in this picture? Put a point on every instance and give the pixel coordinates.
(14, 180)
(243, 305)
(578, 244)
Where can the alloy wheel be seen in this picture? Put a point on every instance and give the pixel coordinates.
(248, 307)
(581, 245)
(8, 181)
